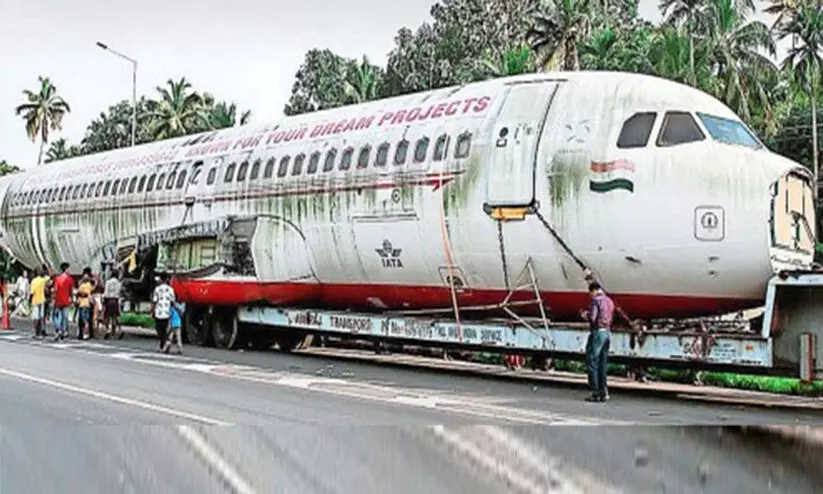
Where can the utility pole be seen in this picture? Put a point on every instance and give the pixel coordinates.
(133, 88)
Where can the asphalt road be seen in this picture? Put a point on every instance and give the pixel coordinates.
(117, 417)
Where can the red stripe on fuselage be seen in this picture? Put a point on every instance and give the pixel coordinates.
(562, 305)
(603, 167)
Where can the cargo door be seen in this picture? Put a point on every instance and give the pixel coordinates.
(515, 137)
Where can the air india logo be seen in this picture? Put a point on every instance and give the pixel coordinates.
(389, 256)
(611, 175)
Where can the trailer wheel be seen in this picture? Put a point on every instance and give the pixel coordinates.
(289, 341)
(224, 328)
(196, 325)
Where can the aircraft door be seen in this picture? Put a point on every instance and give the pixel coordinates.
(514, 142)
(200, 187)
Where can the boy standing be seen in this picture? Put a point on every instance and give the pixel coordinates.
(38, 304)
(84, 308)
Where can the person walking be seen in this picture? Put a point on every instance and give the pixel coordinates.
(162, 299)
(84, 308)
(599, 316)
(63, 287)
(38, 304)
(111, 306)
(22, 291)
(175, 325)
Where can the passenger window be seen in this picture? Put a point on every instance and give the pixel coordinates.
(170, 180)
(269, 171)
(73, 194)
(314, 162)
(382, 155)
(363, 157)
(328, 164)
(464, 144)
(420, 150)
(345, 160)
(114, 187)
(197, 170)
(211, 176)
(132, 184)
(401, 152)
(142, 184)
(241, 172)
(255, 170)
(59, 197)
(440, 147)
(150, 185)
(123, 185)
(181, 180)
(636, 130)
(82, 192)
(297, 166)
(160, 180)
(283, 169)
(107, 188)
(678, 128)
(229, 173)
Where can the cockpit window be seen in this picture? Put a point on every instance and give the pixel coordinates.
(636, 131)
(679, 128)
(729, 131)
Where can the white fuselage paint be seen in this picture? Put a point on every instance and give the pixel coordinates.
(640, 242)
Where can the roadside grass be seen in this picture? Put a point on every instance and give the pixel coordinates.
(135, 319)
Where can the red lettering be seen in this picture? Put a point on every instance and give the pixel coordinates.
(328, 129)
(438, 110)
(452, 108)
(364, 123)
(413, 115)
(482, 104)
(398, 117)
(386, 116)
(316, 130)
(341, 125)
(468, 104)
(425, 115)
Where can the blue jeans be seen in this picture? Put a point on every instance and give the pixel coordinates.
(597, 360)
(61, 320)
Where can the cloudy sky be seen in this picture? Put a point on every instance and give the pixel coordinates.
(246, 51)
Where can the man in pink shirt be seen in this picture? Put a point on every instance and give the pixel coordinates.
(63, 287)
(600, 316)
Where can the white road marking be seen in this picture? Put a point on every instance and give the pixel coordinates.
(113, 398)
(214, 460)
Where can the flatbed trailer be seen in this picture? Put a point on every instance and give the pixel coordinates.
(786, 340)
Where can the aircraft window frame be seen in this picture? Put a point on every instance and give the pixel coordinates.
(55, 191)
(297, 164)
(170, 179)
(83, 191)
(268, 171)
(107, 188)
(242, 171)
(123, 185)
(141, 185)
(74, 193)
(328, 162)
(181, 179)
(633, 124)
(151, 182)
(363, 157)
(59, 196)
(132, 184)
(283, 167)
(441, 148)
(346, 158)
(160, 180)
(254, 174)
(401, 152)
(212, 176)
(314, 163)
(381, 158)
(740, 126)
(459, 151)
(664, 127)
(422, 143)
(229, 175)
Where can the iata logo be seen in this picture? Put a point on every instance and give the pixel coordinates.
(389, 256)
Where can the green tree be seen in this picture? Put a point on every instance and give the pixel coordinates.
(60, 150)
(43, 112)
(320, 83)
(515, 61)
(223, 115)
(6, 168)
(560, 27)
(178, 112)
(112, 128)
(361, 82)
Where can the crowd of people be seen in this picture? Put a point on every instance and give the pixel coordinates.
(90, 305)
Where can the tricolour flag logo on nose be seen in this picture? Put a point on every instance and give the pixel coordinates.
(607, 176)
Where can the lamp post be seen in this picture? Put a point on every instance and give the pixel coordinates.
(133, 89)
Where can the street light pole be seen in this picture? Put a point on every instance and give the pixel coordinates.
(133, 89)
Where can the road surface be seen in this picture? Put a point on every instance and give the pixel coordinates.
(118, 417)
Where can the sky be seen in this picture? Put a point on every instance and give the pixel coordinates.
(246, 51)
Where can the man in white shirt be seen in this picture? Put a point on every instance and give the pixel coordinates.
(161, 299)
(22, 293)
(111, 306)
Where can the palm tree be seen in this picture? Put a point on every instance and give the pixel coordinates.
(804, 60)
(511, 62)
(43, 112)
(559, 27)
(6, 168)
(178, 112)
(689, 17)
(361, 82)
(222, 116)
(60, 150)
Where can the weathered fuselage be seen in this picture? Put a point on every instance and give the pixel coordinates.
(656, 186)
